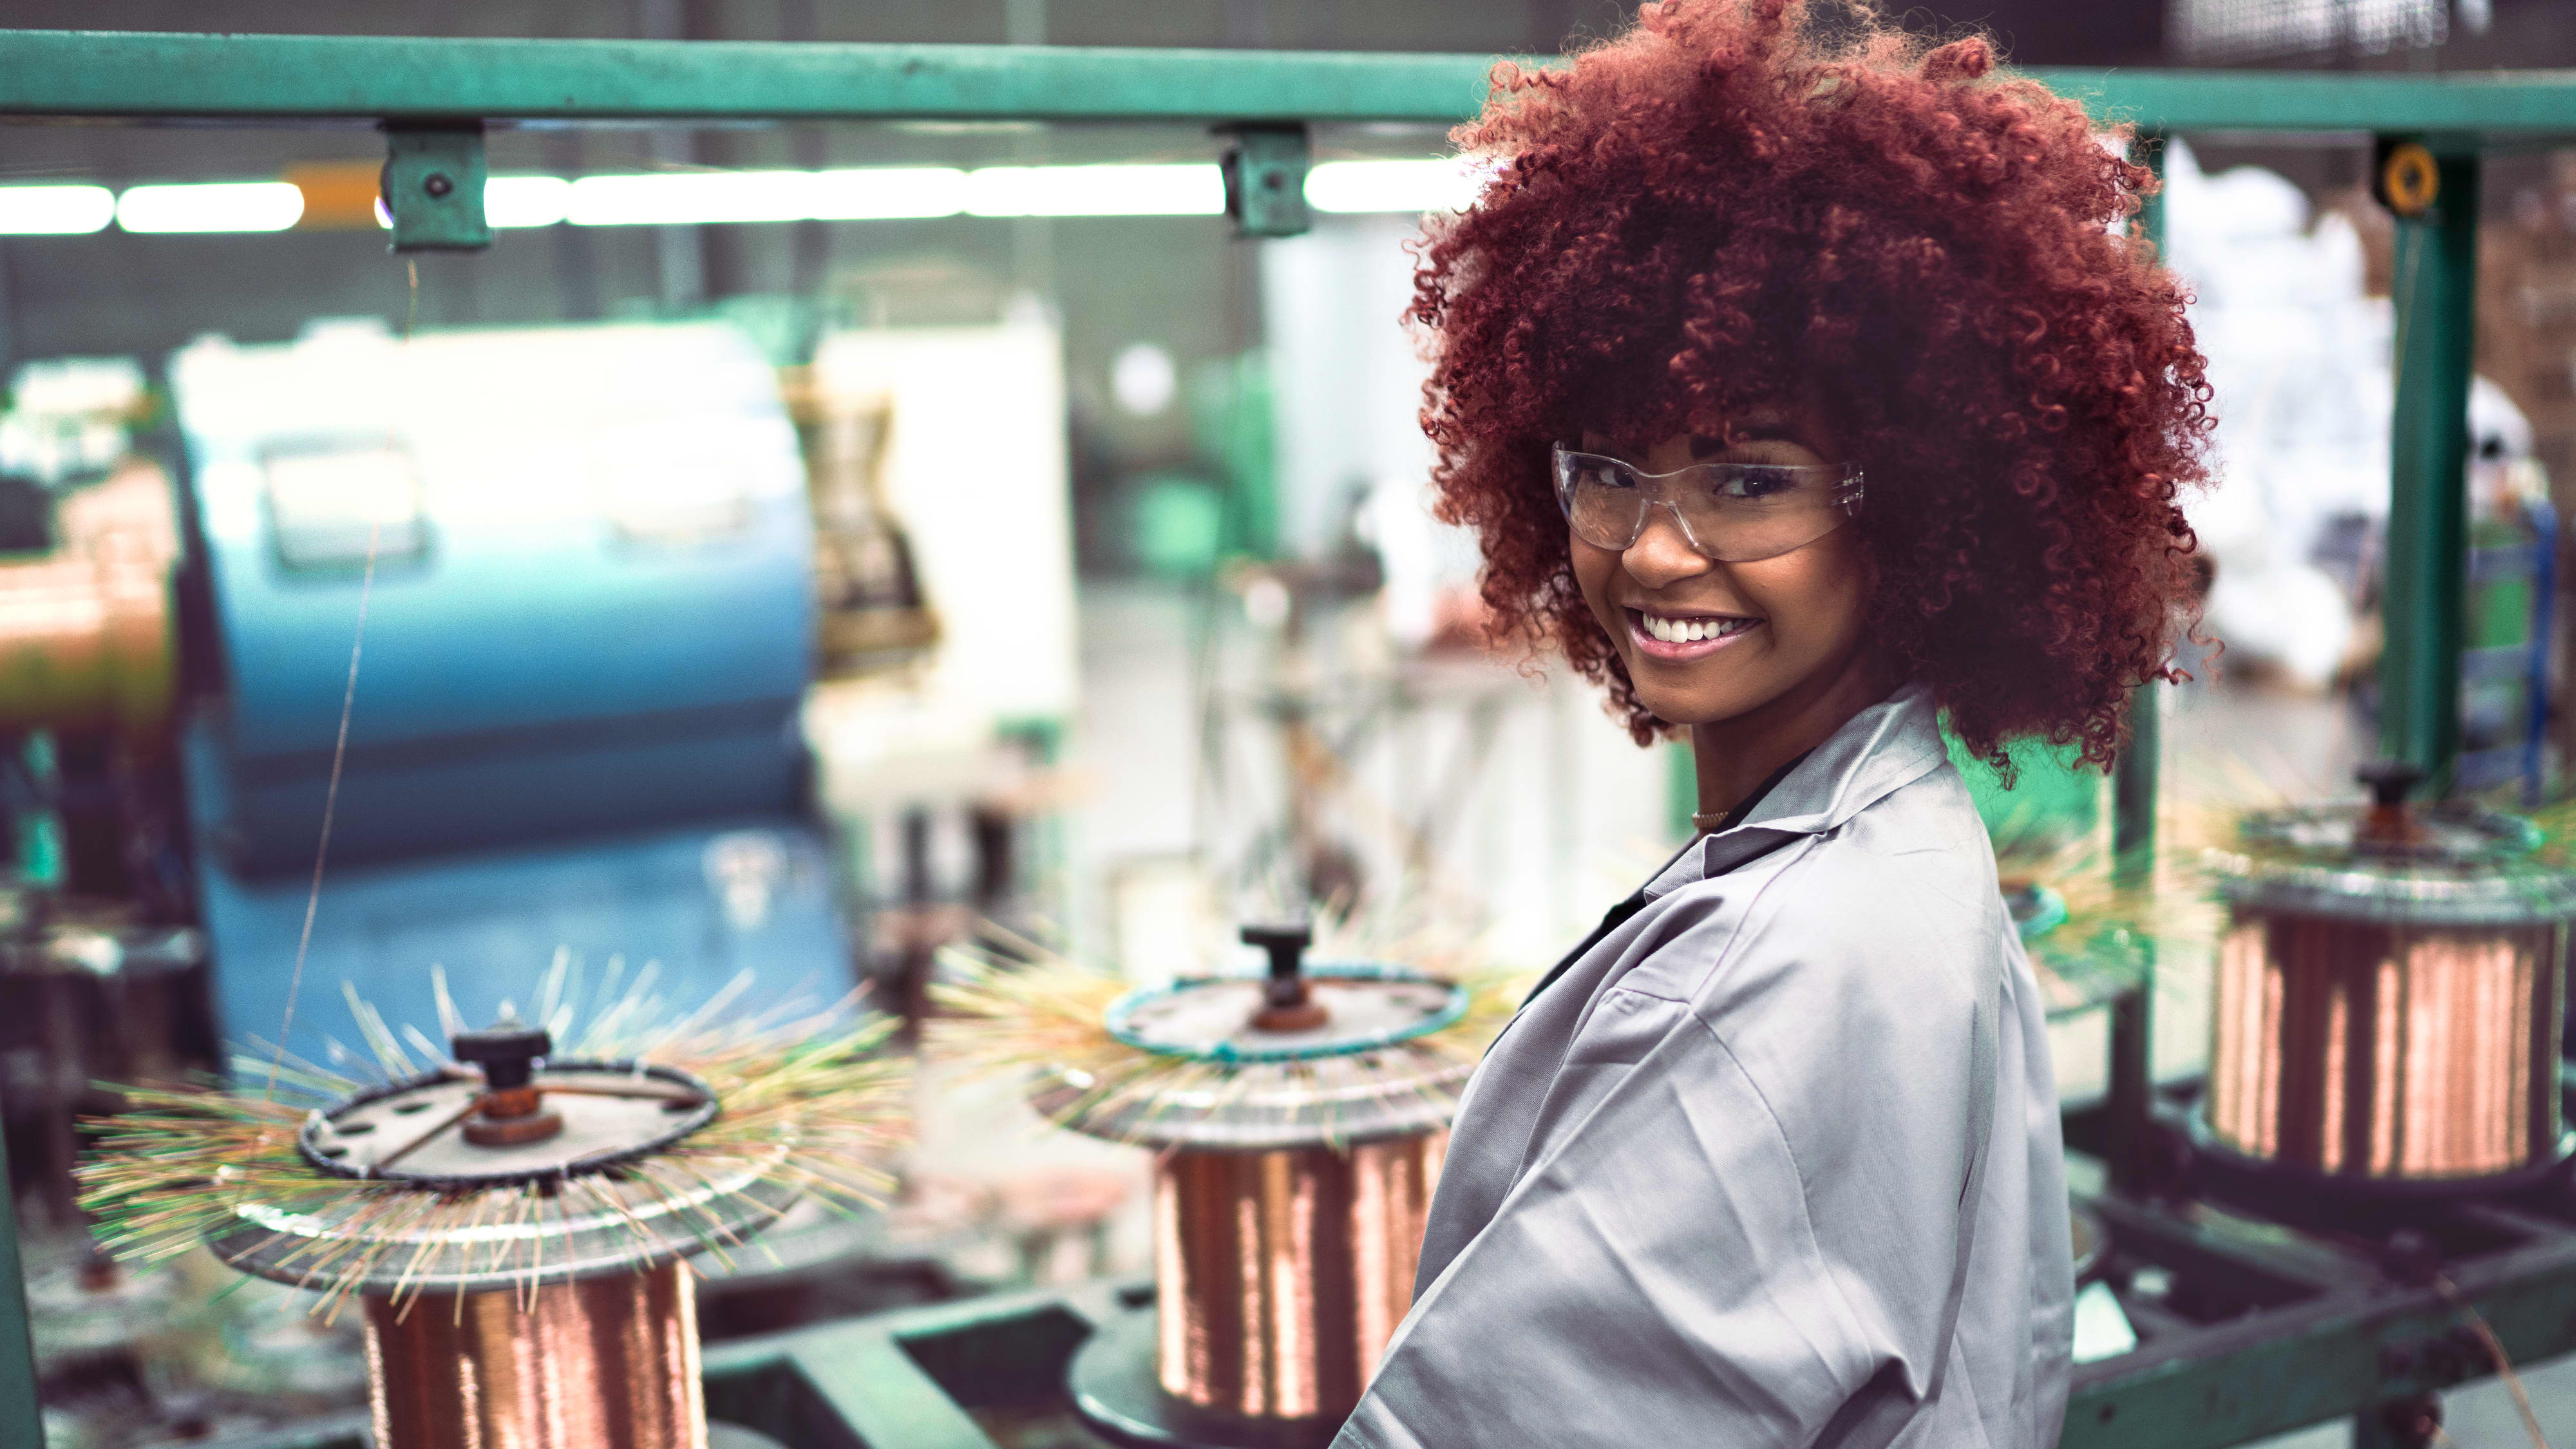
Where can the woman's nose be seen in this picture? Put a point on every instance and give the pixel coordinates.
(1662, 555)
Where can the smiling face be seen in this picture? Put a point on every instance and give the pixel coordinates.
(1781, 639)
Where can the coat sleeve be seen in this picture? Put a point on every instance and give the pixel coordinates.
(1738, 1226)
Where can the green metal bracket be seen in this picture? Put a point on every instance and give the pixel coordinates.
(1265, 179)
(2436, 299)
(433, 186)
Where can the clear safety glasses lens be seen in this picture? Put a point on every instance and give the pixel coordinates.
(1730, 512)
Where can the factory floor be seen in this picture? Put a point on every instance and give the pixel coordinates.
(2481, 1416)
(2223, 746)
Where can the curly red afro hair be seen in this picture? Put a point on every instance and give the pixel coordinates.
(1750, 201)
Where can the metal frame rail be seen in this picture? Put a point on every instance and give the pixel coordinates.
(879, 1382)
(368, 79)
(2281, 1314)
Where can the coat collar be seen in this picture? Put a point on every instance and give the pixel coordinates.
(1878, 751)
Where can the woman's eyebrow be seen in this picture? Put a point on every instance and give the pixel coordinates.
(1751, 430)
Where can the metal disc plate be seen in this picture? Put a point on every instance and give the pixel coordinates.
(1369, 1007)
(544, 1236)
(1116, 1393)
(2450, 833)
(1266, 1106)
(2471, 867)
(409, 1131)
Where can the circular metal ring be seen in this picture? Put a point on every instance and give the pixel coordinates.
(2035, 910)
(316, 1140)
(2409, 179)
(1123, 1024)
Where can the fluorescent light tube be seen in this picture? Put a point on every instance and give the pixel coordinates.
(216, 206)
(681, 198)
(55, 210)
(1403, 186)
(687, 198)
(1192, 189)
(525, 200)
(887, 193)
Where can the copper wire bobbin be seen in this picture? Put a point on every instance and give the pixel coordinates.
(597, 1363)
(569, 1326)
(1291, 1184)
(2390, 999)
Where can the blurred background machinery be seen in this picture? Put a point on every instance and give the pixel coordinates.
(585, 558)
(566, 584)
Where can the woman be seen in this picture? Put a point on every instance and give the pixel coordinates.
(1808, 387)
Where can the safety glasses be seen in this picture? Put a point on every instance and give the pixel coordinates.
(1730, 512)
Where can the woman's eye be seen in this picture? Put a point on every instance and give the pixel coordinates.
(1600, 477)
(1754, 485)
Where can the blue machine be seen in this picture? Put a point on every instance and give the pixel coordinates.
(587, 637)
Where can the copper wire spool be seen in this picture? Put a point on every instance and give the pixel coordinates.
(597, 1363)
(1279, 1276)
(569, 1324)
(1291, 1186)
(2390, 997)
(2390, 1051)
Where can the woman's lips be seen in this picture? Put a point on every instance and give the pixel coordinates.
(1668, 636)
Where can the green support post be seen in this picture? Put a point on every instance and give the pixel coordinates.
(2131, 1102)
(2435, 292)
(2133, 776)
(22, 1422)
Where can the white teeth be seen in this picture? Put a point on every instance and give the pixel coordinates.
(1691, 631)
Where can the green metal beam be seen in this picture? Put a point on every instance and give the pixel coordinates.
(2436, 304)
(323, 77)
(2493, 105)
(95, 73)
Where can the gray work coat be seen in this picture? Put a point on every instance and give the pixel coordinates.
(1774, 1163)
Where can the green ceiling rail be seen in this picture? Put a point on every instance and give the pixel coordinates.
(99, 73)
(341, 77)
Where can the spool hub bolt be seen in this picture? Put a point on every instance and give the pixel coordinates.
(510, 1111)
(1288, 1001)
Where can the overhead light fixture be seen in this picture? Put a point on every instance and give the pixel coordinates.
(526, 200)
(55, 210)
(1185, 189)
(1449, 184)
(674, 198)
(686, 198)
(211, 207)
(887, 193)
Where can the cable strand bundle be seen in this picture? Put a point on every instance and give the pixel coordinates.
(1047, 1019)
(811, 1106)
